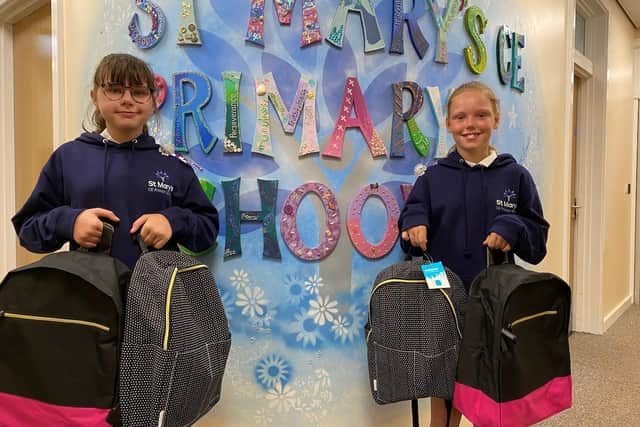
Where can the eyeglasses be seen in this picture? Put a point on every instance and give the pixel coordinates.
(115, 92)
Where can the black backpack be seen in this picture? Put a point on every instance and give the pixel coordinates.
(176, 342)
(514, 367)
(60, 332)
(413, 334)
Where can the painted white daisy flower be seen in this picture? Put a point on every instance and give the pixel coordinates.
(282, 398)
(306, 329)
(322, 310)
(251, 301)
(263, 321)
(295, 289)
(313, 284)
(239, 279)
(340, 327)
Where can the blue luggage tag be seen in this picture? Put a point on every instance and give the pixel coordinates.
(435, 275)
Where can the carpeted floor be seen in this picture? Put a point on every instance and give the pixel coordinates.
(606, 376)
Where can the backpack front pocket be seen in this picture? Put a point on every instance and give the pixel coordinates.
(406, 375)
(59, 360)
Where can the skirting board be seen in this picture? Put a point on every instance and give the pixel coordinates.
(615, 314)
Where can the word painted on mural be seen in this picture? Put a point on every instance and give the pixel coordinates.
(353, 113)
(268, 190)
(475, 24)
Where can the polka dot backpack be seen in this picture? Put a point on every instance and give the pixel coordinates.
(176, 342)
(413, 333)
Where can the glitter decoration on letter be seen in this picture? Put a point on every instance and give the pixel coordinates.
(188, 28)
(267, 216)
(517, 42)
(420, 142)
(158, 25)
(420, 44)
(475, 17)
(289, 228)
(436, 109)
(310, 24)
(504, 43)
(161, 90)
(201, 97)
(354, 226)
(443, 23)
(353, 97)
(371, 29)
(303, 102)
(232, 143)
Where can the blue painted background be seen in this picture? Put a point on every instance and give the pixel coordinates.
(298, 355)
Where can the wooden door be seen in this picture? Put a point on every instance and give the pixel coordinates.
(33, 106)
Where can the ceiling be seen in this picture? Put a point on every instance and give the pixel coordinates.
(632, 9)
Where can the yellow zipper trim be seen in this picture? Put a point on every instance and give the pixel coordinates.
(453, 310)
(533, 316)
(165, 341)
(167, 308)
(55, 320)
(192, 268)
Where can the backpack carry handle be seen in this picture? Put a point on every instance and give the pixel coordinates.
(497, 257)
(106, 239)
(144, 248)
(428, 259)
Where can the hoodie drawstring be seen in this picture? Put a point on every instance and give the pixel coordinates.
(465, 173)
(104, 172)
(485, 208)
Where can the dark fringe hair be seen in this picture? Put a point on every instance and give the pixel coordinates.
(124, 69)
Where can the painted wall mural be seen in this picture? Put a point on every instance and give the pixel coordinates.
(305, 121)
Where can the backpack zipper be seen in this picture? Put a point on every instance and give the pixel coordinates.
(49, 319)
(167, 308)
(531, 317)
(453, 310)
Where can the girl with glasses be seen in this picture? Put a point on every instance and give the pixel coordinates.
(115, 173)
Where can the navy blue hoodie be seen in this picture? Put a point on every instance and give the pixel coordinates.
(130, 179)
(460, 205)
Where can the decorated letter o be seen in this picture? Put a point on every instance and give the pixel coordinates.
(289, 229)
(354, 226)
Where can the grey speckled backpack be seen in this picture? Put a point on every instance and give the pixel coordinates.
(413, 334)
(176, 342)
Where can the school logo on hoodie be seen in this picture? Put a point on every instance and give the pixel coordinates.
(160, 184)
(509, 202)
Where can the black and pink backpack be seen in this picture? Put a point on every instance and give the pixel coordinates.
(514, 366)
(60, 332)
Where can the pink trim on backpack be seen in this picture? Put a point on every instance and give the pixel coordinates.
(482, 411)
(25, 412)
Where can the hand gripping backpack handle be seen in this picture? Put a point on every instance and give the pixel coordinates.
(144, 248)
(497, 257)
(426, 257)
(106, 239)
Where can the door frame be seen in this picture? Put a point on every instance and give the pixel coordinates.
(12, 11)
(635, 286)
(587, 306)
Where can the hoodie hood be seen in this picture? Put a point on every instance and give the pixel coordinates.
(454, 160)
(143, 142)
